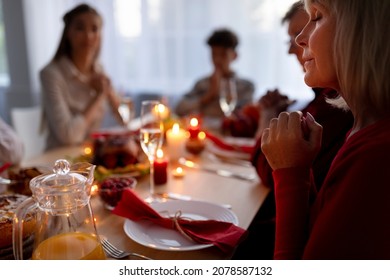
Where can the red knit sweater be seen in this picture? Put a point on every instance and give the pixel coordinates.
(350, 217)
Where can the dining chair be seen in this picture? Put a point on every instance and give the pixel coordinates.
(27, 122)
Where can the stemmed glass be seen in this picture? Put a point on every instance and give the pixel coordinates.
(125, 110)
(228, 96)
(151, 137)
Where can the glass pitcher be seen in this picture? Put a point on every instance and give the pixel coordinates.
(64, 223)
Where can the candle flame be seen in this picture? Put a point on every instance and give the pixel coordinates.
(194, 122)
(179, 170)
(160, 153)
(176, 128)
(161, 108)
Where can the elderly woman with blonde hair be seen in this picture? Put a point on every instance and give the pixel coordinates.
(344, 49)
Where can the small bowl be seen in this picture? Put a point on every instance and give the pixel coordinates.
(111, 189)
(195, 146)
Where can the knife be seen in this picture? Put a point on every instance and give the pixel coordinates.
(178, 196)
(7, 181)
(220, 172)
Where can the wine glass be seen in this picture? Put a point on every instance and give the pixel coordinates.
(151, 137)
(125, 110)
(228, 96)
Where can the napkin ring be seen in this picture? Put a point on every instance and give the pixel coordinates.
(175, 219)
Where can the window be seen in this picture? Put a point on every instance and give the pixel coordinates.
(158, 46)
(161, 45)
(4, 78)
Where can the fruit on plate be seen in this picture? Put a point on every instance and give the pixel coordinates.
(111, 189)
(115, 150)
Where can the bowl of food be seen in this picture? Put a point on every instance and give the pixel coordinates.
(111, 188)
(20, 178)
(8, 204)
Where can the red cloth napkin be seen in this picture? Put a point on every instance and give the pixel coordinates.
(223, 145)
(5, 166)
(224, 235)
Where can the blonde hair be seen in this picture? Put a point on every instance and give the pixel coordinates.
(362, 53)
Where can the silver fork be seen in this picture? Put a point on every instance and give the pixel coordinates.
(116, 253)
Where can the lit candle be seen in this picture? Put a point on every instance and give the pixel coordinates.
(163, 111)
(178, 173)
(176, 138)
(194, 128)
(160, 168)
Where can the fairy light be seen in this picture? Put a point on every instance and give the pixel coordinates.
(94, 189)
(201, 135)
(87, 150)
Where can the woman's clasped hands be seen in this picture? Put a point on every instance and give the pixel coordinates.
(291, 140)
(100, 83)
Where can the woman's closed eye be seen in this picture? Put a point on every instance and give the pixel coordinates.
(316, 16)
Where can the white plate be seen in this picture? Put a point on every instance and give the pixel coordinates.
(216, 150)
(154, 236)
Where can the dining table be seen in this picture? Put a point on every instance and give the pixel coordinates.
(244, 196)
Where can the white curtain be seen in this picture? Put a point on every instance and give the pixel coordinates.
(159, 45)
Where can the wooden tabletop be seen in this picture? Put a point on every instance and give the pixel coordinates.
(245, 197)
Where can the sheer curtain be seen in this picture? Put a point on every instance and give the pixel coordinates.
(159, 45)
